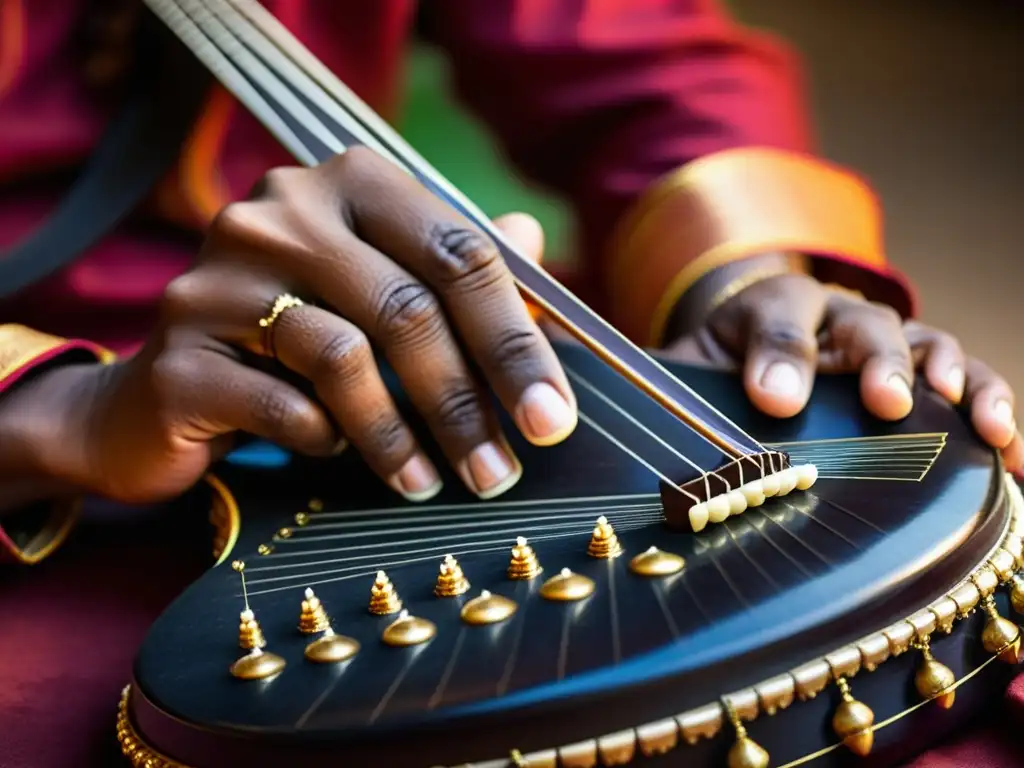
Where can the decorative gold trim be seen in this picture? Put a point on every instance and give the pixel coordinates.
(767, 697)
(225, 517)
(133, 747)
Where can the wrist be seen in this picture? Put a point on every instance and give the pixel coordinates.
(43, 455)
(721, 284)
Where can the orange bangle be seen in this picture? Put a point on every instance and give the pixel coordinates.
(729, 206)
(23, 349)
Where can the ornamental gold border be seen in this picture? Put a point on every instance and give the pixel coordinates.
(765, 698)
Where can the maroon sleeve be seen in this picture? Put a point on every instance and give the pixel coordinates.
(597, 99)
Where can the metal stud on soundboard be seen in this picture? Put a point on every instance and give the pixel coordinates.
(567, 587)
(488, 608)
(654, 563)
(408, 630)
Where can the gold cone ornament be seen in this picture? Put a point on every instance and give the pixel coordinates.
(312, 617)
(250, 636)
(383, 597)
(1000, 636)
(1017, 593)
(934, 680)
(853, 722)
(451, 581)
(603, 542)
(745, 753)
(523, 565)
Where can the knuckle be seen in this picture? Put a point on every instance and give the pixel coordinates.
(171, 373)
(464, 258)
(886, 314)
(514, 347)
(343, 356)
(277, 182)
(278, 410)
(408, 310)
(180, 296)
(458, 409)
(784, 336)
(386, 437)
(235, 222)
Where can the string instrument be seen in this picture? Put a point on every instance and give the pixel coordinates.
(662, 589)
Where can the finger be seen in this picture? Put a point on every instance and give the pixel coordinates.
(399, 217)
(781, 320)
(1013, 456)
(942, 358)
(991, 403)
(210, 395)
(337, 358)
(524, 232)
(404, 318)
(869, 338)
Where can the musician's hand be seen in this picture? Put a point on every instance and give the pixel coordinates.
(380, 263)
(785, 329)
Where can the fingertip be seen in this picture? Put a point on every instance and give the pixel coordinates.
(994, 421)
(417, 480)
(525, 232)
(544, 416)
(781, 390)
(1013, 456)
(887, 396)
(948, 382)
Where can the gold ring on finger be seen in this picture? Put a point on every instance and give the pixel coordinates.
(281, 304)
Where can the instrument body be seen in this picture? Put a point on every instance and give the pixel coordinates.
(776, 589)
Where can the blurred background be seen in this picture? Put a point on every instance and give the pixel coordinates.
(923, 97)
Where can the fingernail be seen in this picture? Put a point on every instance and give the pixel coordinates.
(490, 470)
(340, 446)
(417, 480)
(783, 379)
(955, 382)
(544, 416)
(898, 384)
(1003, 412)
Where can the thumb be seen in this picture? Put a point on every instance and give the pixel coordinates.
(525, 233)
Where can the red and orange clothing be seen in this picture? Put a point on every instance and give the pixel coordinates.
(640, 112)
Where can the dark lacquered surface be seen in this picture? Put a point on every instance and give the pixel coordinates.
(760, 594)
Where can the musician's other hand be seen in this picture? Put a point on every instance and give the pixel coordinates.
(381, 265)
(787, 328)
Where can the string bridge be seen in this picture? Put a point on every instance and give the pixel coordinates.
(733, 487)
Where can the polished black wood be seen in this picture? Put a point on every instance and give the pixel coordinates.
(761, 594)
